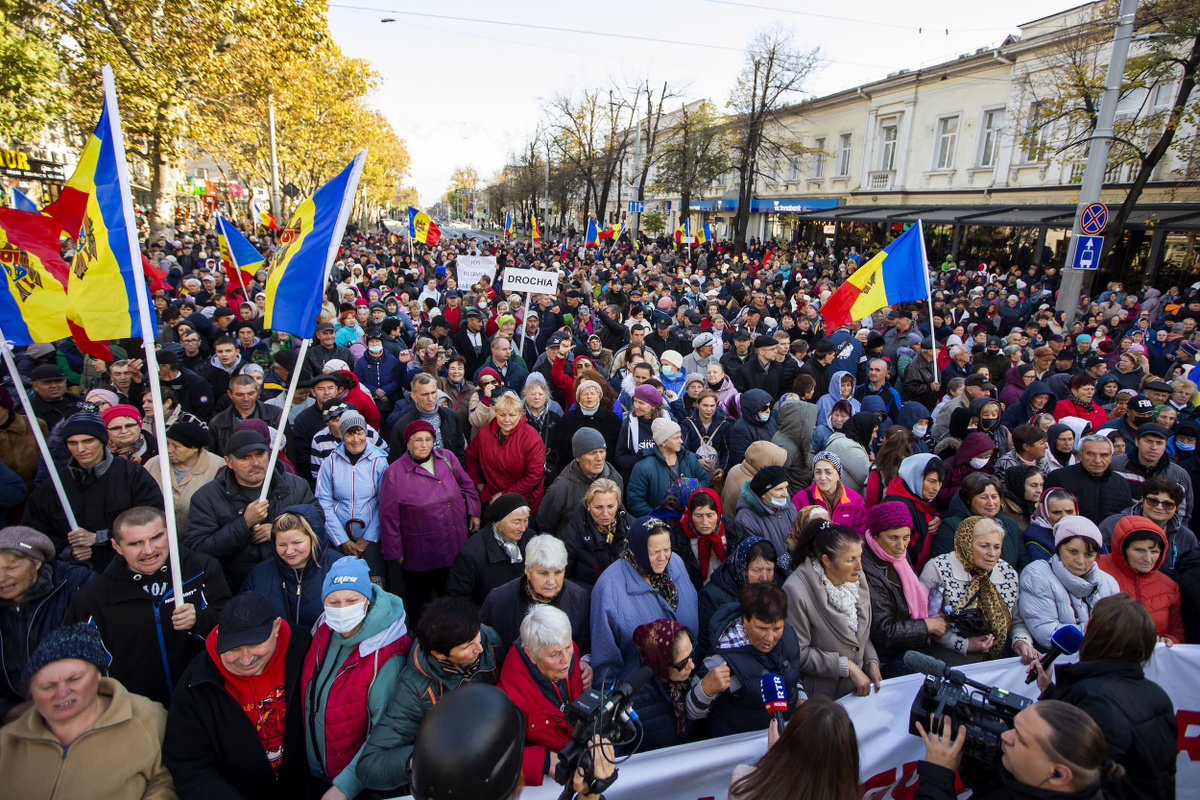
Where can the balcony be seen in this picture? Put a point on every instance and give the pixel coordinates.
(881, 181)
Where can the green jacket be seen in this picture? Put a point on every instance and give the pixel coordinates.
(383, 760)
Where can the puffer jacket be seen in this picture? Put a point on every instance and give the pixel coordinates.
(295, 594)
(342, 699)
(1130, 467)
(656, 716)
(1012, 549)
(383, 760)
(512, 465)
(505, 607)
(23, 625)
(1051, 597)
(1154, 590)
(588, 554)
(349, 491)
(848, 510)
(758, 455)
(1137, 718)
(755, 519)
(797, 421)
(1180, 538)
(651, 479)
(546, 726)
(565, 495)
(749, 428)
(1073, 408)
(893, 630)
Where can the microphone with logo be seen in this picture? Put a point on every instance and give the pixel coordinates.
(775, 697)
(1066, 641)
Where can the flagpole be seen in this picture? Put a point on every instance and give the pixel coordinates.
(929, 297)
(237, 268)
(148, 338)
(335, 244)
(31, 417)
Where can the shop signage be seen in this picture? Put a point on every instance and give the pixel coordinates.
(18, 164)
(791, 205)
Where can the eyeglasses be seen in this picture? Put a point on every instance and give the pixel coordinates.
(679, 665)
(130, 427)
(1154, 502)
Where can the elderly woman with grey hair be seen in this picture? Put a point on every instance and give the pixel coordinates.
(541, 675)
(544, 583)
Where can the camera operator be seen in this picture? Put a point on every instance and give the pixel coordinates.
(1053, 750)
(472, 745)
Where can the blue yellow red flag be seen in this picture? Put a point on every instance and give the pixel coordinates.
(260, 217)
(685, 229)
(508, 223)
(240, 257)
(22, 201)
(593, 233)
(299, 268)
(704, 234)
(422, 228)
(33, 302)
(537, 232)
(895, 275)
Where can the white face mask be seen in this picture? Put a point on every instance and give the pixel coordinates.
(346, 618)
(779, 502)
(376, 349)
(920, 430)
(763, 416)
(980, 463)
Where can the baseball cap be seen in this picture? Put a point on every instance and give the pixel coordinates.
(48, 372)
(247, 619)
(743, 335)
(325, 326)
(1153, 429)
(243, 443)
(556, 339)
(979, 381)
(1140, 405)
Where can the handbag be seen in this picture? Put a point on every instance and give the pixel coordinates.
(969, 622)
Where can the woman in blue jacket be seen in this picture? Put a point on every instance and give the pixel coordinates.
(660, 467)
(348, 490)
(291, 578)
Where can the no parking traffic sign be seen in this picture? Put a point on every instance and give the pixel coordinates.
(1093, 218)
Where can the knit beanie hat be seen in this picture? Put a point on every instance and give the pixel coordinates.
(585, 440)
(648, 394)
(663, 429)
(886, 516)
(767, 479)
(415, 427)
(81, 641)
(1071, 526)
(348, 572)
(831, 457)
(189, 434)
(351, 420)
(85, 422)
(120, 410)
(586, 385)
(504, 505)
(102, 394)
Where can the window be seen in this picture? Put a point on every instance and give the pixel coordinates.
(1162, 96)
(845, 143)
(818, 161)
(793, 168)
(1130, 102)
(888, 133)
(773, 169)
(947, 141)
(990, 146)
(1037, 134)
(721, 179)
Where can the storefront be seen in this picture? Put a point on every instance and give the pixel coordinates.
(779, 218)
(40, 180)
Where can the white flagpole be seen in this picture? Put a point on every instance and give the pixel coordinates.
(929, 298)
(148, 336)
(237, 268)
(19, 389)
(335, 244)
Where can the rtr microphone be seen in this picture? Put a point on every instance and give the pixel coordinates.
(1066, 641)
(775, 698)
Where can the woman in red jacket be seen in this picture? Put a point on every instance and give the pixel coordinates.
(1079, 404)
(507, 455)
(541, 675)
(1139, 548)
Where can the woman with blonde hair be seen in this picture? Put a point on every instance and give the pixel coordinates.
(291, 579)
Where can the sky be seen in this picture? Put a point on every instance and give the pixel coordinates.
(466, 83)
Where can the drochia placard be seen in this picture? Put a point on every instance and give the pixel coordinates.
(529, 280)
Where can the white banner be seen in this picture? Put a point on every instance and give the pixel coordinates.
(472, 268)
(889, 755)
(530, 280)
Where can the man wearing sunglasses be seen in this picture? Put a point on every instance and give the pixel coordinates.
(1161, 499)
(1147, 459)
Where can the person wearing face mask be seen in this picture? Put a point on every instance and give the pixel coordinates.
(379, 372)
(988, 412)
(919, 421)
(359, 647)
(672, 374)
(976, 454)
(236, 727)
(764, 509)
(757, 424)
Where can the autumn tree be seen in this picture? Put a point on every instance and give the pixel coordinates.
(771, 79)
(30, 93)
(591, 134)
(692, 154)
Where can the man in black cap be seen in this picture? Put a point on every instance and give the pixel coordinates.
(229, 522)
(439, 331)
(276, 378)
(50, 400)
(1148, 459)
(192, 393)
(664, 339)
(252, 348)
(994, 359)
(1138, 411)
(471, 342)
(896, 336)
(1157, 392)
(98, 486)
(133, 605)
(324, 348)
(236, 727)
(325, 390)
(752, 321)
(920, 381)
(818, 366)
(741, 352)
(1095, 366)
(763, 371)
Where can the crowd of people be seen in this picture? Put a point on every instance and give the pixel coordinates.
(670, 462)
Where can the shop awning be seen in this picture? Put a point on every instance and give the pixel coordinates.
(1151, 216)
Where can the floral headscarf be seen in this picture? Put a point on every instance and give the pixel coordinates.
(674, 505)
(739, 562)
(654, 641)
(982, 593)
(638, 555)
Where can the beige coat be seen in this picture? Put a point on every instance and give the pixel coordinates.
(824, 636)
(205, 470)
(758, 455)
(118, 758)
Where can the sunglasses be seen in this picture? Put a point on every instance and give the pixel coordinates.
(1154, 502)
(679, 665)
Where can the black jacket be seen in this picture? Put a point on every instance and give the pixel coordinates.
(606, 422)
(463, 346)
(212, 748)
(224, 423)
(307, 424)
(56, 412)
(938, 783)
(771, 379)
(1137, 718)
(133, 614)
(24, 624)
(482, 565)
(1187, 575)
(506, 605)
(216, 525)
(193, 393)
(1097, 497)
(587, 553)
(893, 630)
(318, 356)
(96, 501)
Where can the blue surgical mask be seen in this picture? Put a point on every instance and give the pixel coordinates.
(779, 502)
(1186, 448)
(763, 416)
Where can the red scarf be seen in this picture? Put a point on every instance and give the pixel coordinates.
(262, 697)
(706, 544)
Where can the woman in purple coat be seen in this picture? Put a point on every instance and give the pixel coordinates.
(427, 507)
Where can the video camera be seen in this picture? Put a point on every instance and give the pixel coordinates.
(607, 713)
(986, 711)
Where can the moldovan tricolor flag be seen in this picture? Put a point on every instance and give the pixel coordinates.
(422, 228)
(264, 218)
(593, 234)
(508, 223)
(33, 301)
(895, 275)
(300, 266)
(537, 232)
(241, 258)
(685, 229)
